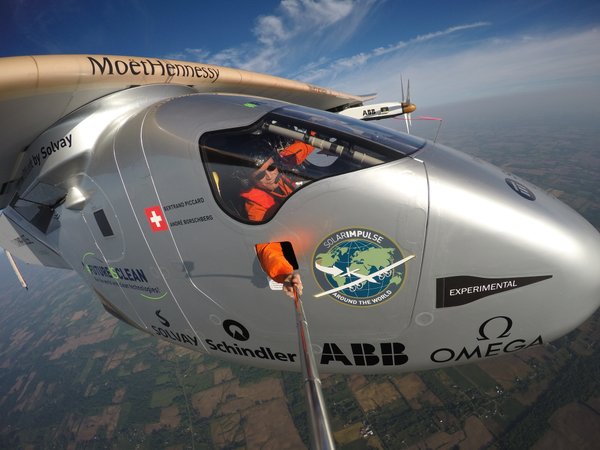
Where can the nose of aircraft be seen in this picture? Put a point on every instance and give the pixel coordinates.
(488, 224)
(576, 255)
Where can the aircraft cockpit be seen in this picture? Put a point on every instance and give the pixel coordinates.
(302, 145)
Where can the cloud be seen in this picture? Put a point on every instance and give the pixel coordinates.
(299, 30)
(304, 30)
(190, 54)
(314, 74)
(294, 16)
(456, 63)
(486, 68)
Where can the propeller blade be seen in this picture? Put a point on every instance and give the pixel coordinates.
(402, 88)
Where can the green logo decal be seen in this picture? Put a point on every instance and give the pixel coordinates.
(132, 278)
(359, 267)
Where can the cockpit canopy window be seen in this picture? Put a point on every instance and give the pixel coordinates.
(253, 170)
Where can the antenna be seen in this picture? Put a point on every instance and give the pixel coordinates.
(16, 269)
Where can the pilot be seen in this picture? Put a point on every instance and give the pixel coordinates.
(269, 188)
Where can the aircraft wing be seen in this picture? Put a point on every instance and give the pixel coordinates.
(37, 91)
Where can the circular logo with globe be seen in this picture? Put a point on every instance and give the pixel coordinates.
(359, 267)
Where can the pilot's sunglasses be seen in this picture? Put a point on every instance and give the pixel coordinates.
(260, 175)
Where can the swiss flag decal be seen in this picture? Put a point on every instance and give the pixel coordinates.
(156, 218)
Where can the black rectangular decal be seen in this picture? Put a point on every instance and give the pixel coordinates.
(103, 224)
(460, 290)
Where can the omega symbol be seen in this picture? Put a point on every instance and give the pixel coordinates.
(505, 333)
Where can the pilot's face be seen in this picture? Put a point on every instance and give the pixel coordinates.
(266, 175)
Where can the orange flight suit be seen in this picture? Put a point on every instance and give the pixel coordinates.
(296, 152)
(273, 261)
(259, 201)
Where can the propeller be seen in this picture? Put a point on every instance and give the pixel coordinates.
(406, 103)
(410, 107)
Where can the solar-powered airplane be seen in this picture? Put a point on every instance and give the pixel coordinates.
(413, 255)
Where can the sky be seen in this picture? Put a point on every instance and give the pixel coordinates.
(451, 51)
(537, 55)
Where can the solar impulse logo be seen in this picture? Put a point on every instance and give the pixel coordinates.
(359, 267)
